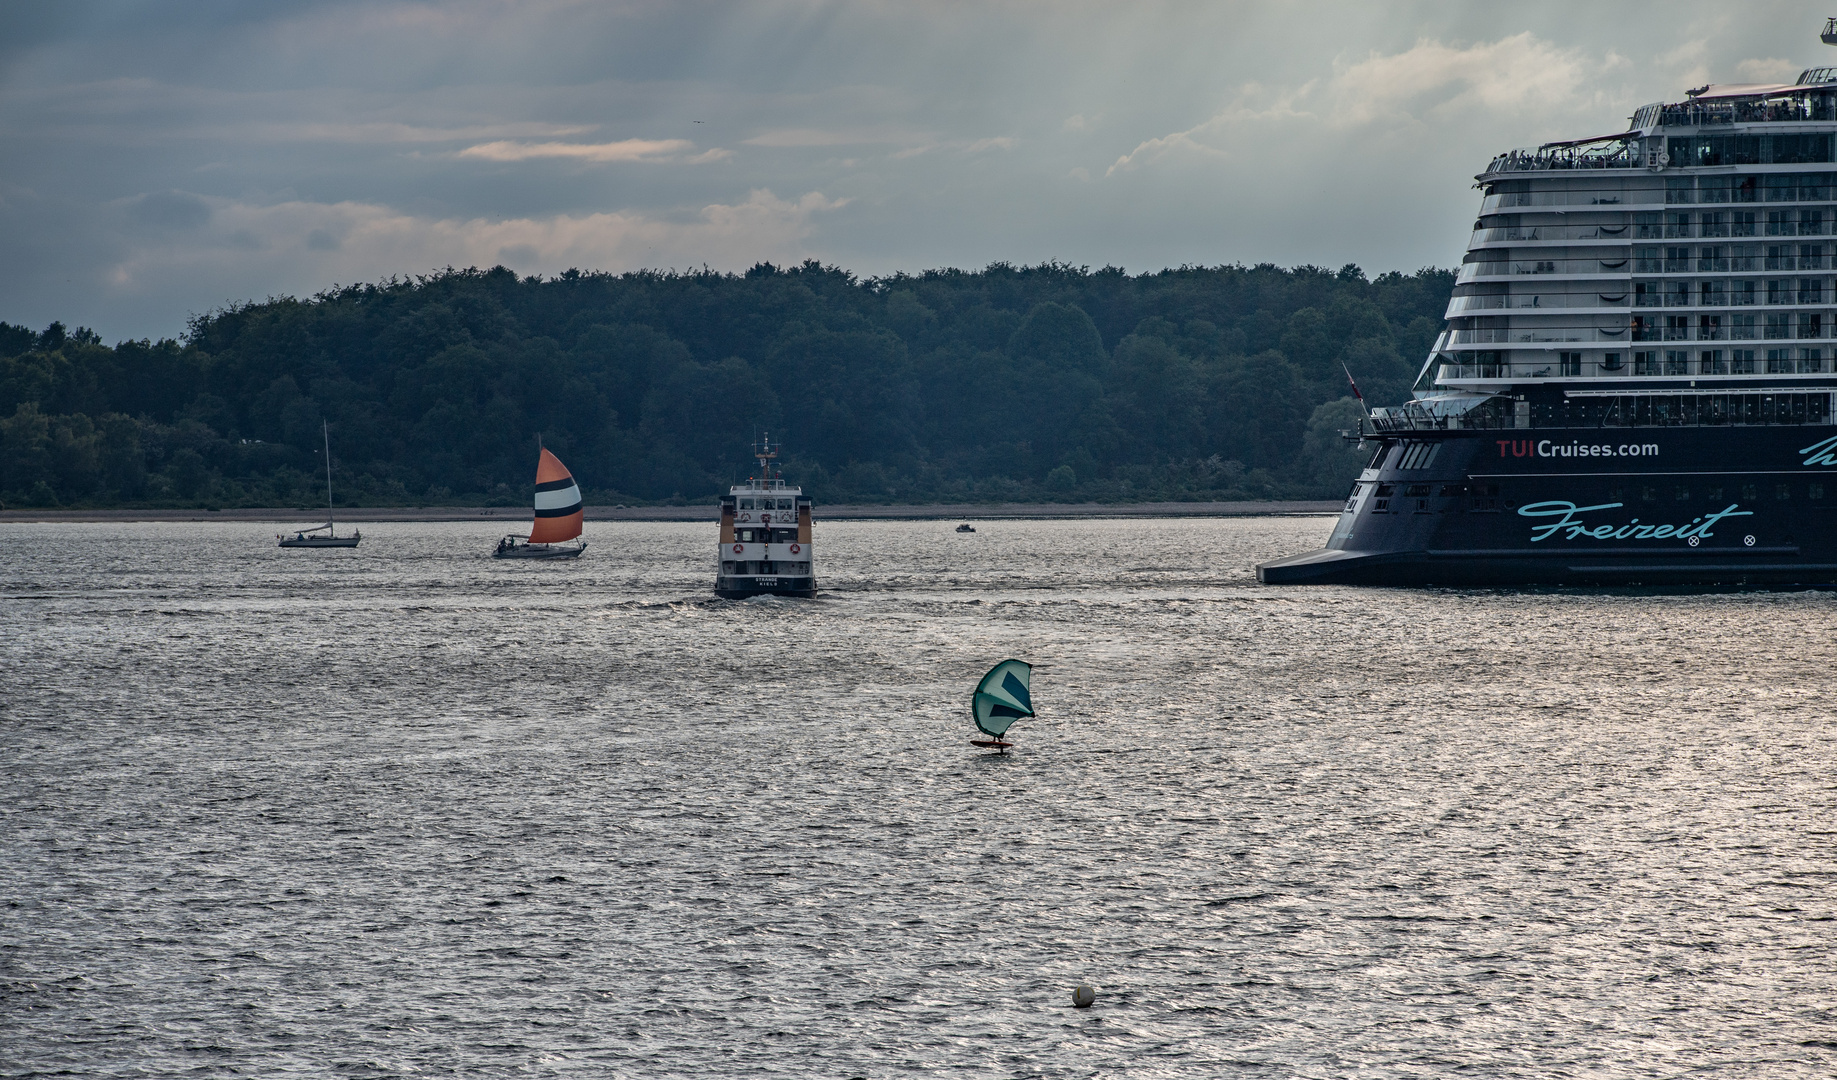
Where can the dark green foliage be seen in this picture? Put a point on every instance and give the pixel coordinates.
(1045, 382)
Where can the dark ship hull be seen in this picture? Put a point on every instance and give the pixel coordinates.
(1631, 506)
(738, 588)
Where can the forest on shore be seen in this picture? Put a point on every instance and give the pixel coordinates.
(1043, 383)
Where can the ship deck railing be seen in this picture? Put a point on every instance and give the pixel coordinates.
(1805, 105)
(1564, 159)
(1679, 363)
(1632, 411)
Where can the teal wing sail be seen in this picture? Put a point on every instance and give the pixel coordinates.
(1002, 697)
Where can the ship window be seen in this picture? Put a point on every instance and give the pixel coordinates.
(1750, 492)
(1419, 455)
(1782, 492)
(1610, 361)
(1416, 491)
(746, 504)
(1815, 491)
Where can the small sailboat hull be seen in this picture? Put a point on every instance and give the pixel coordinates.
(320, 541)
(540, 551)
(996, 743)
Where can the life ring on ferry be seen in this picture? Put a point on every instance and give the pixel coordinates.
(795, 549)
(746, 517)
(765, 519)
(739, 548)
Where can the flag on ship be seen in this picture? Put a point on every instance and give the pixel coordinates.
(558, 506)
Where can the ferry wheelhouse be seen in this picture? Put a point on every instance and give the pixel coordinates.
(1635, 382)
(765, 535)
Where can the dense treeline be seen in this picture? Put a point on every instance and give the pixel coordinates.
(1047, 382)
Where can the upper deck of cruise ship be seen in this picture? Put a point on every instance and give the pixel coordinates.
(1696, 246)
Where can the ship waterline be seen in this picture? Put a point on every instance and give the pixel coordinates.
(1635, 384)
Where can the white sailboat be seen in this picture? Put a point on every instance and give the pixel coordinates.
(326, 535)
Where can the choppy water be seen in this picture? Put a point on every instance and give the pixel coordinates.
(407, 810)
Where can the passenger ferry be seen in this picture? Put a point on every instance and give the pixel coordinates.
(765, 535)
(1634, 385)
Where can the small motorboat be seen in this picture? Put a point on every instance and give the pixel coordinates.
(558, 516)
(966, 527)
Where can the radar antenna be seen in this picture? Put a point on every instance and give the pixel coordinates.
(766, 453)
(1829, 37)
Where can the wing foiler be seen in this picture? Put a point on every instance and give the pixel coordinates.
(1002, 697)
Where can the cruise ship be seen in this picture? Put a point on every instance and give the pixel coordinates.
(1634, 383)
(765, 535)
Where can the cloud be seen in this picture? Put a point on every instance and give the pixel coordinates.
(302, 245)
(796, 138)
(389, 132)
(1000, 142)
(1511, 74)
(624, 150)
(1770, 70)
(170, 210)
(1430, 82)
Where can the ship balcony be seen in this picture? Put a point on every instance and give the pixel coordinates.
(1564, 268)
(1778, 326)
(1602, 335)
(1649, 199)
(1696, 364)
(1543, 304)
(1544, 234)
(1779, 223)
(1687, 260)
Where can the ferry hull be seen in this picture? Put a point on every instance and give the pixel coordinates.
(1620, 507)
(738, 588)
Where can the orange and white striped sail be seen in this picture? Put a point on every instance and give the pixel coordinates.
(558, 509)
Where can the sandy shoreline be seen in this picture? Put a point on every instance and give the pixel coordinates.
(510, 514)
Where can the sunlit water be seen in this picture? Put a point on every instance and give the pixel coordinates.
(408, 810)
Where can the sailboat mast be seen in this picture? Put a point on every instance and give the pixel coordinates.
(326, 432)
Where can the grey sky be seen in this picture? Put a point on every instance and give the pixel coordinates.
(163, 159)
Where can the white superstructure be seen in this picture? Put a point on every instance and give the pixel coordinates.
(765, 535)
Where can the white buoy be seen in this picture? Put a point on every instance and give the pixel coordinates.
(1082, 996)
